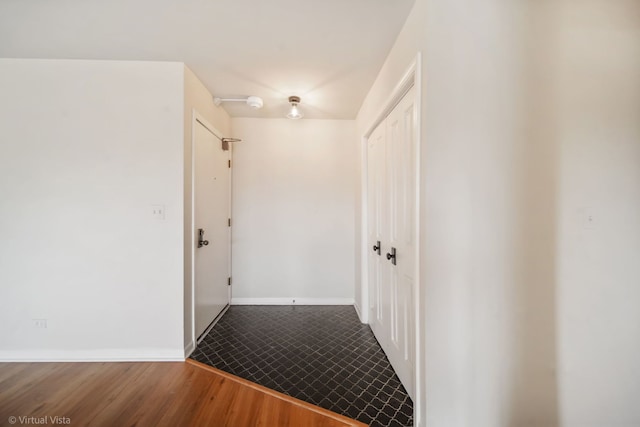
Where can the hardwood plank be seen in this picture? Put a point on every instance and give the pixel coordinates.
(150, 394)
(168, 387)
(273, 393)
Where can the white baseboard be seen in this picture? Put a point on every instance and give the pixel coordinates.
(189, 349)
(292, 301)
(355, 305)
(146, 355)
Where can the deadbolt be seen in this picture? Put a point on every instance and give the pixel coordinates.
(201, 241)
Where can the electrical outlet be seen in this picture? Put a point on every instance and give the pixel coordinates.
(158, 211)
(40, 323)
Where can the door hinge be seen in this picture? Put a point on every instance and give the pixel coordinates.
(229, 222)
(229, 281)
(229, 163)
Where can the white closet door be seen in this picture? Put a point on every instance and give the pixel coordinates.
(392, 180)
(376, 153)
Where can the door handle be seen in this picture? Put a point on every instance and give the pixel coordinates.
(392, 256)
(201, 241)
(376, 247)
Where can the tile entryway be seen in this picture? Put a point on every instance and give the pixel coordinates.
(320, 354)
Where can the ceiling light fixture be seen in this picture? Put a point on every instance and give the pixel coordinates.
(294, 113)
(254, 102)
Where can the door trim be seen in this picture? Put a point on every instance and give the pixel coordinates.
(197, 118)
(411, 78)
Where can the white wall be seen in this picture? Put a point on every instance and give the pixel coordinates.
(293, 210)
(196, 97)
(597, 73)
(86, 149)
(529, 114)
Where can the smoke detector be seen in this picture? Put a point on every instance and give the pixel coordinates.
(254, 102)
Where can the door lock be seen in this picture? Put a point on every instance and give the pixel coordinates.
(392, 256)
(376, 247)
(201, 241)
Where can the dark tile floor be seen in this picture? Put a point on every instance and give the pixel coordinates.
(319, 354)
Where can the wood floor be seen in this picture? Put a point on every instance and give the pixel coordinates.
(147, 394)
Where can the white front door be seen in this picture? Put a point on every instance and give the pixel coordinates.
(211, 216)
(391, 212)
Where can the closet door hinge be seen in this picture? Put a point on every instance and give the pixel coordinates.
(229, 163)
(229, 222)
(229, 281)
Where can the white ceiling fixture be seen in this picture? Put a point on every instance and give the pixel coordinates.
(294, 112)
(254, 102)
(330, 61)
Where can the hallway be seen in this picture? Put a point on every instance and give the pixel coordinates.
(518, 284)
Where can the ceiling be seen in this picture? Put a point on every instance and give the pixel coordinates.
(328, 52)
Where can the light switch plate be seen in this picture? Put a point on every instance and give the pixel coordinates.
(587, 218)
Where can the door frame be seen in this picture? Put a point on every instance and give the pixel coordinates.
(197, 118)
(412, 77)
